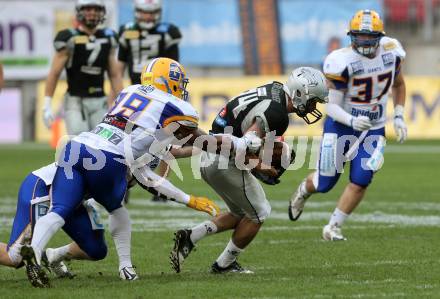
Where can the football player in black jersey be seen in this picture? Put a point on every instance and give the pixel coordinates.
(86, 52)
(259, 111)
(146, 38)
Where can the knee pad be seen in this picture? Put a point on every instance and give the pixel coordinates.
(97, 252)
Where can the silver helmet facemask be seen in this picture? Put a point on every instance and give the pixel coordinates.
(305, 87)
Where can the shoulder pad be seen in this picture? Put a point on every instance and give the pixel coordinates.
(389, 44)
(162, 27)
(65, 35)
(335, 63)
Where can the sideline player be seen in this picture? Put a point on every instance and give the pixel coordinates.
(127, 140)
(86, 52)
(262, 110)
(361, 76)
(143, 40)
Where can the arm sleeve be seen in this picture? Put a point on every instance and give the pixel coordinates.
(334, 107)
(158, 185)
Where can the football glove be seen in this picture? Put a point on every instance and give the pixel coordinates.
(252, 141)
(47, 112)
(361, 123)
(203, 204)
(399, 124)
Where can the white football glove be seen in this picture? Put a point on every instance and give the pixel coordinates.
(252, 141)
(399, 124)
(361, 123)
(47, 112)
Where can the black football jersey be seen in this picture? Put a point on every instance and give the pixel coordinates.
(138, 46)
(266, 103)
(88, 59)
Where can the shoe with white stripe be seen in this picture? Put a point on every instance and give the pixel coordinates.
(128, 273)
(332, 233)
(297, 203)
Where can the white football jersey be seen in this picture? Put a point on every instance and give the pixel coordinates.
(146, 109)
(46, 173)
(367, 81)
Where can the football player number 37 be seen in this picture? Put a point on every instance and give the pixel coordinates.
(365, 93)
(129, 103)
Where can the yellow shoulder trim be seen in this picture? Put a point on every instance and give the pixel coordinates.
(335, 77)
(81, 39)
(174, 118)
(389, 46)
(131, 34)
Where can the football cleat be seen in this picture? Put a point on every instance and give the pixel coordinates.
(332, 233)
(182, 248)
(232, 268)
(297, 203)
(128, 273)
(58, 268)
(36, 275)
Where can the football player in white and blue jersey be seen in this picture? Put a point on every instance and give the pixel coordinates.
(145, 119)
(360, 78)
(84, 228)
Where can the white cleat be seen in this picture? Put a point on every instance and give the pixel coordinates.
(332, 233)
(58, 268)
(128, 273)
(297, 203)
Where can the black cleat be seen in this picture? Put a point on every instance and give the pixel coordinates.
(36, 275)
(182, 248)
(232, 268)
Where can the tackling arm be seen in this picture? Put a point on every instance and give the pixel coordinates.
(158, 185)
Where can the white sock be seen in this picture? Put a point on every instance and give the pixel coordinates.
(229, 255)
(44, 230)
(59, 254)
(120, 229)
(303, 190)
(338, 218)
(202, 230)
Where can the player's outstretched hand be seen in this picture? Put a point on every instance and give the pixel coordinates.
(361, 123)
(203, 204)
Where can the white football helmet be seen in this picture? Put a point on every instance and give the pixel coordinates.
(153, 7)
(305, 87)
(90, 22)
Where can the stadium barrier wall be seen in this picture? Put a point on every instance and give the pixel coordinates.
(209, 95)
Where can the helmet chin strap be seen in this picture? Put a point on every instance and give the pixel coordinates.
(146, 25)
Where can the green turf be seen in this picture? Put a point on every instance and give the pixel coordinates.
(392, 251)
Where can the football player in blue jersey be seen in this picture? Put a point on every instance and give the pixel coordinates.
(86, 52)
(360, 77)
(145, 119)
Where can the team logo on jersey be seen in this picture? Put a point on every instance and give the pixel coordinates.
(147, 88)
(131, 34)
(357, 67)
(388, 59)
(374, 114)
(81, 39)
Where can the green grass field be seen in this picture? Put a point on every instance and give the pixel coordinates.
(393, 247)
